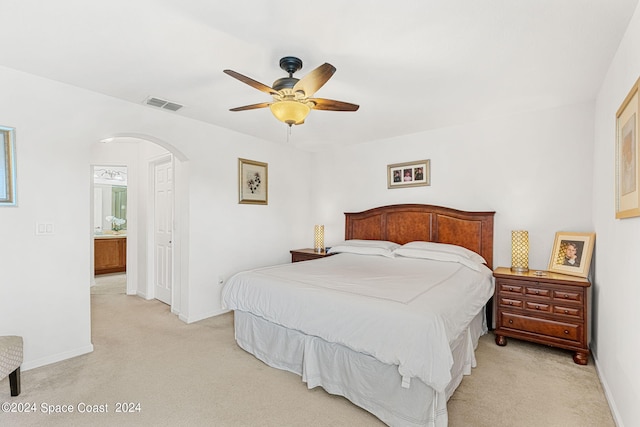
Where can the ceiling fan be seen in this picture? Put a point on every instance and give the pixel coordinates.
(292, 97)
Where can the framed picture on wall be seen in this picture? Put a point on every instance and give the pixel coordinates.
(252, 182)
(409, 174)
(571, 253)
(628, 156)
(7, 166)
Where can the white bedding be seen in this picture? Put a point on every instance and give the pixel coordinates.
(402, 311)
(365, 381)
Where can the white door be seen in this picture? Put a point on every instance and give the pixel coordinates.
(163, 229)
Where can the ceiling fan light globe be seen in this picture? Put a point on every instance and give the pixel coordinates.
(290, 112)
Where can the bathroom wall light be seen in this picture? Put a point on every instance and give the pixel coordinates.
(110, 174)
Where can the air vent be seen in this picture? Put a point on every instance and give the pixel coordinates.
(161, 103)
(172, 106)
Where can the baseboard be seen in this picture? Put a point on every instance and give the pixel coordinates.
(607, 393)
(32, 364)
(202, 316)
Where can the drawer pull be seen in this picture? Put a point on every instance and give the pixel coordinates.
(537, 307)
(511, 321)
(566, 332)
(566, 312)
(510, 289)
(566, 295)
(537, 292)
(510, 302)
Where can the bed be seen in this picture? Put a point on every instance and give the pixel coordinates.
(390, 322)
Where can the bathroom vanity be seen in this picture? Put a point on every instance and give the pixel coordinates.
(110, 253)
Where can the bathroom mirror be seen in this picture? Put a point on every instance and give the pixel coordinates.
(110, 199)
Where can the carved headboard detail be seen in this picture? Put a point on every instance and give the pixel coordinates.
(411, 222)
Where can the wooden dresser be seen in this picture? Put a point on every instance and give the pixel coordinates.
(307, 254)
(551, 309)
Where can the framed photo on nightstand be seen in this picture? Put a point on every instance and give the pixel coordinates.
(571, 253)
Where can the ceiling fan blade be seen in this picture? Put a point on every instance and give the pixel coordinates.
(331, 105)
(251, 107)
(251, 82)
(313, 81)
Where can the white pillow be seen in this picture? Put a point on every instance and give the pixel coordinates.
(365, 247)
(441, 252)
(447, 248)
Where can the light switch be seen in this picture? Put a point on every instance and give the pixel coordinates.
(43, 228)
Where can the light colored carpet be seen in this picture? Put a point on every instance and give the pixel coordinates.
(110, 284)
(196, 375)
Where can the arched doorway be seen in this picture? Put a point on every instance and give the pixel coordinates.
(140, 154)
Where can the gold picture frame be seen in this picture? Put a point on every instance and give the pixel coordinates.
(409, 174)
(628, 156)
(7, 166)
(571, 253)
(253, 183)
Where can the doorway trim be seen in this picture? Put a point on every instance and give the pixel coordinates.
(138, 283)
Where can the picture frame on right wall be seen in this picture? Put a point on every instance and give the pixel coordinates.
(628, 156)
(571, 253)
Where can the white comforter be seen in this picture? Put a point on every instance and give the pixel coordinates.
(402, 311)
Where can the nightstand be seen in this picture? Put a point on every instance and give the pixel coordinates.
(551, 309)
(307, 254)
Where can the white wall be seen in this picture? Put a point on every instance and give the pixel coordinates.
(44, 292)
(225, 236)
(44, 289)
(534, 170)
(617, 272)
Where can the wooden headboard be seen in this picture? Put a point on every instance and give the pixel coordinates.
(411, 222)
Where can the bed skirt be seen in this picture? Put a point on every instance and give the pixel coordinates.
(370, 384)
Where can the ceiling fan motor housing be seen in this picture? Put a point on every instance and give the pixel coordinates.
(285, 83)
(290, 64)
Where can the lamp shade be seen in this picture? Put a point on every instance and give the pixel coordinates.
(290, 112)
(520, 251)
(318, 238)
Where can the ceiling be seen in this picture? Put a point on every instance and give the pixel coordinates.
(411, 65)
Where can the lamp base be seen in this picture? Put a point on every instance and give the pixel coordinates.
(519, 269)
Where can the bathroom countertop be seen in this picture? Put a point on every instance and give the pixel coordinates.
(109, 236)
